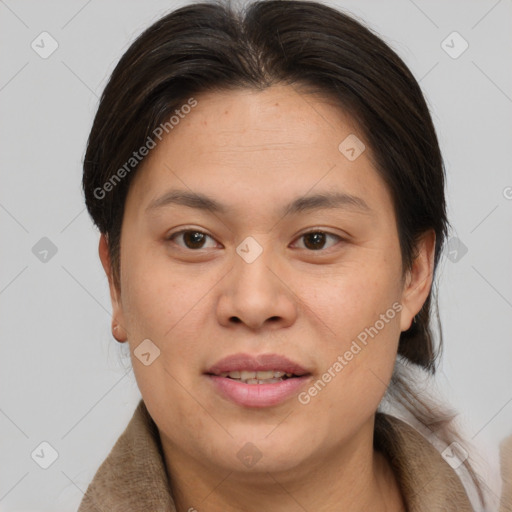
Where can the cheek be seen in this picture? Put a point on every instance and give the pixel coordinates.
(349, 299)
(159, 305)
(160, 297)
(357, 314)
(162, 304)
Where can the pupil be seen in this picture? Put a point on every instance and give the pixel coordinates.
(193, 238)
(316, 237)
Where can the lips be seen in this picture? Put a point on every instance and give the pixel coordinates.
(257, 381)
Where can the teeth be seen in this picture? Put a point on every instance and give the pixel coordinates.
(260, 377)
(265, 375)
(266, 381)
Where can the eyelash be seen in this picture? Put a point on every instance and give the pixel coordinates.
(318, 231)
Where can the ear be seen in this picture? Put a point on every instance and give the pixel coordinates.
(418, 280)
(118, 331)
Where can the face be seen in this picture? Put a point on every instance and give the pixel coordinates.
(290, 264)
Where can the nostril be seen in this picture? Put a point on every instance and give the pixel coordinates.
(235, 319)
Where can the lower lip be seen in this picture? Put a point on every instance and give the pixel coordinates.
(257, 395)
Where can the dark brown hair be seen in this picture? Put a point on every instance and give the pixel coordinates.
(213, 46)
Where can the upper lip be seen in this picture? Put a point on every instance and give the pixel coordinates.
(261, 362)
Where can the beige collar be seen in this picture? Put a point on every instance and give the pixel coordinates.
(426, 480)
(133, 477)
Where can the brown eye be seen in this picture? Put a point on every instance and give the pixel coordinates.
(316, 240)
(192, 239)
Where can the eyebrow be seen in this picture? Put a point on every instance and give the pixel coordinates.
(324, 200)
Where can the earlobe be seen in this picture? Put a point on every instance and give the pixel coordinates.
(406, 317)
(419, 280)
(119, 333)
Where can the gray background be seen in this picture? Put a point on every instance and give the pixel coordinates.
(64, 379)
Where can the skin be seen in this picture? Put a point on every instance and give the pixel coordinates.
(256, 151)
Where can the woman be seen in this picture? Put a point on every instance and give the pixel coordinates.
(270, 194)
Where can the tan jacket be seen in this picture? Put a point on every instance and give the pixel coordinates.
(506, 473)
(133, 477)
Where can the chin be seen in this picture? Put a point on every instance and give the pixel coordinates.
(262, 450)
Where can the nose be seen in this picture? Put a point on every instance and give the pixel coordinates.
(256, 294)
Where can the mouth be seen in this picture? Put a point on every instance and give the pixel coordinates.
(259, 377)
(257, 381)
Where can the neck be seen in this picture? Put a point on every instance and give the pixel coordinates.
(352, 477)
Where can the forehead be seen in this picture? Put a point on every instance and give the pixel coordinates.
(279, 120)
(255, 146)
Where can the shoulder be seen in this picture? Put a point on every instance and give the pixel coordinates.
(133, 476)
(427, 480)
(506, 473)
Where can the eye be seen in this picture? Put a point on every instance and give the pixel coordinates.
(316, 240)
(192, 238)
